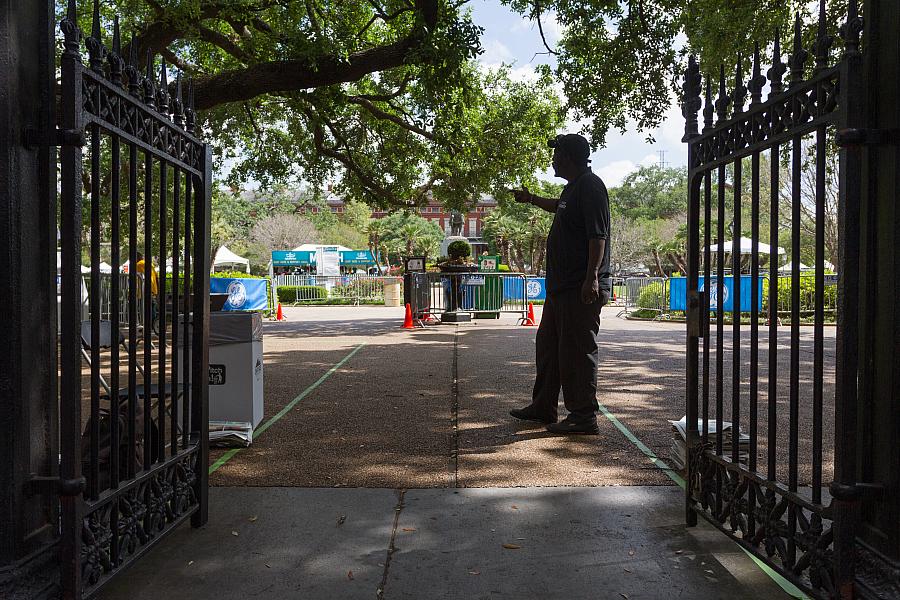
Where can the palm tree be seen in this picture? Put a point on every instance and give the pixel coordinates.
(376, 231)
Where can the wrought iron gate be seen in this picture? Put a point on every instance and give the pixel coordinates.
(766, 490)
(133, 402)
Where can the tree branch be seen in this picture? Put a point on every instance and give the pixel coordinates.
(287, 75)
(222, 41)
(377, 112)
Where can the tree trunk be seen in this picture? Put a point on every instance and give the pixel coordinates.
(659, 266)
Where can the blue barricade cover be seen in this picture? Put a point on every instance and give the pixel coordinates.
(535, 288)
(678, 293)
(243, 294)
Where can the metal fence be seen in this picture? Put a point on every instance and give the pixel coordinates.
(647, 293)
(475, 293)
(331, 289)
(108, 304)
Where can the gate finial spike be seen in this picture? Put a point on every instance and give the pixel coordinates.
(799, 55)
(131, 70)
(723, 100)
(177, 104)
(757, 81)
(740, 90)
(115, 57)
(778, 69)
(691, 98)
(823, 40)
(851, 29)
(71, 32)
(149, 87)
(95, 21)
(189, 110)
(708, 106)
(163, 88)
(96, 51)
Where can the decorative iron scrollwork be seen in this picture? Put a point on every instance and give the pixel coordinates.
(145, 510)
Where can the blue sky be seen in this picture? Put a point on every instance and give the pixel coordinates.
(511, 39)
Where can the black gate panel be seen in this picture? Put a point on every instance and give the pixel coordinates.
(133, 345)
(762, 365)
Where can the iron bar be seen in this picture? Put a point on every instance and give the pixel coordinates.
(94, 472)
(818, 335)
(772, 399)
(70, 309)
(720, 313)
(148, 308)
(736, 316)
(707, 223)
(176, 311)
(188, 330)
(794, 418)
(115, 284)
(162, 397)
(132, 307)
(754, 325)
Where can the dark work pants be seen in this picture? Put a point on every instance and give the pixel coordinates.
(567, 354)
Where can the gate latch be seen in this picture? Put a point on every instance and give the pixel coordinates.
(867, 137)
(35, 139)
(39, 484)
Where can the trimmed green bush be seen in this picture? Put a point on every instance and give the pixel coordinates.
(289, 294)
(459, 249)
(655, 296)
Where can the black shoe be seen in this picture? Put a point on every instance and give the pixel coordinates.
(529, 414)
(573, 425)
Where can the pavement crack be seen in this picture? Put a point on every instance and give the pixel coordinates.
(379, 593)
(454, 413)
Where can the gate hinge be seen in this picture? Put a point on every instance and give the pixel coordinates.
(867, 137)
(39, 484)
(35, 139)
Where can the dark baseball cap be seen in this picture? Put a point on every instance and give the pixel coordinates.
(576, 146)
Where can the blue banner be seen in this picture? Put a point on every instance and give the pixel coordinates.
(243, 294)
(535, 288)
(357, 257)
(292, 258)
(678, 293)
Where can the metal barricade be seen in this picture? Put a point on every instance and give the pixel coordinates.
(479, 294)
(807, 294)
(646, 293)
(108, 304)
(331, 289)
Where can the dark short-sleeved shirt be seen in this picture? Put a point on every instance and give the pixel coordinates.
(582, 214)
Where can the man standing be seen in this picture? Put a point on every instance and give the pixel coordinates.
(578, 285)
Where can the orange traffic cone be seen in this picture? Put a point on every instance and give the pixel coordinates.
(529, 320)
(279, 315)
(408, 321)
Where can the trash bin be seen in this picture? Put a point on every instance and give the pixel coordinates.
(392, 291)
(235, 366)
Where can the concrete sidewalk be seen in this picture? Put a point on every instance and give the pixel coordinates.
(398, 473)
(560, 543)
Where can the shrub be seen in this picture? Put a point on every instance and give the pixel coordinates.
(459, 249)
(235, 275)
(289, 294)
(655, 296)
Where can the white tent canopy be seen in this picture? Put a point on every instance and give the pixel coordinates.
(790, 267)
(746, 247)
(227, 258)
(314, 247)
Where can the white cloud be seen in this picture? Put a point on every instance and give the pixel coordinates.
(495, 53)
(614, 173)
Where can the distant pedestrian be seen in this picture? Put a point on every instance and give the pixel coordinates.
(578, 285)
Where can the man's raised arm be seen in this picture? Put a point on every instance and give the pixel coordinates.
(526, 197)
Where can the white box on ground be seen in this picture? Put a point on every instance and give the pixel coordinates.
(235, 367)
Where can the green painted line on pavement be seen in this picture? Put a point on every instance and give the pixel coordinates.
(788, 587)
(287, 408)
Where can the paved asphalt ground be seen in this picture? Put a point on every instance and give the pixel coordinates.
(405, 411)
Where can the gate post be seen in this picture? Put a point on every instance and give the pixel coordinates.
(876, 418)
(29, 507)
